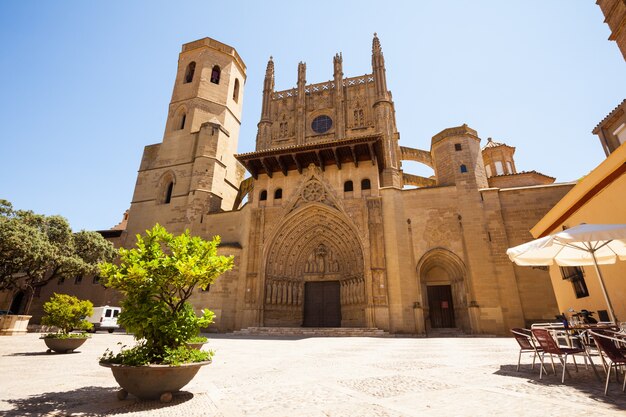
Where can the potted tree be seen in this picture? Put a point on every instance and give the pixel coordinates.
(157, 277)
(66, 313)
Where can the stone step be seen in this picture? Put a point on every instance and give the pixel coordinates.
(312, 331)
(446, 332)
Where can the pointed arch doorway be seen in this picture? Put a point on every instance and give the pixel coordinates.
(442, 277)
(314, 272)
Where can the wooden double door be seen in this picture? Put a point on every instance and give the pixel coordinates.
(322, 304)
(440, 306)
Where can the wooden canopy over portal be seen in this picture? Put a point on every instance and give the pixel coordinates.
(322, 154)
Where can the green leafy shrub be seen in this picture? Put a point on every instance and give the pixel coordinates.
(66, 336)
(140, 355)
(67, 313)
(157, 278)
(198, 339)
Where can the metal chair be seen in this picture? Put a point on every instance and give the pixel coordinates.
(609, 349)
(526, 343)
(549, 346)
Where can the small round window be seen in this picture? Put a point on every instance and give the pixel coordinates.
(322, 124)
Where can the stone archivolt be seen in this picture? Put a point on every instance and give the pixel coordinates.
(314, 244)
(302, 233)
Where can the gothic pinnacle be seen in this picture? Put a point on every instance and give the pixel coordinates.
(376, 44)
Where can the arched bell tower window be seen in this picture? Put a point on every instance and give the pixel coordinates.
(348, 186)
(263, 195)
(168, 193)
(236, 91)
(215, 74)
(166, 188)
(278, 194)
(191, 68)
(365, 184)
(180, 118)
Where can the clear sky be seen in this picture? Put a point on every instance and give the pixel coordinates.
(86, 85)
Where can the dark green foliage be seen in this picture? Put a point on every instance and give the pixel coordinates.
(142, 355)
(157, 278)
(66, 336)
(35, 249)
(67, 313)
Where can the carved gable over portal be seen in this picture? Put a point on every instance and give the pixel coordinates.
(314, 189)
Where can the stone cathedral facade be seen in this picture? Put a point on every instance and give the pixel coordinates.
(326, 228)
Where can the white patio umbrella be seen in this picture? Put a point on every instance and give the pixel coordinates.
(582, 245)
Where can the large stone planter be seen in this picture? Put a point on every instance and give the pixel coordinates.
(64, 345)
(152, 382)
(11, 324)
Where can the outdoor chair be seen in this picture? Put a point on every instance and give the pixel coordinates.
(609, 349)
(548, 345)
(526, 343)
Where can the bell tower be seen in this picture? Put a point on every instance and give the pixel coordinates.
(193, 172)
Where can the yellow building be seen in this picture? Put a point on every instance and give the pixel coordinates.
(597, 198)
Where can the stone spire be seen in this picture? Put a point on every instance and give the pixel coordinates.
(338, 66)
(378, 69)
(301, 75)
(301, 104)
(391, 175)
(264, 131)
(268, 89)
(338, 96)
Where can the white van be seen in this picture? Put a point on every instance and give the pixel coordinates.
(104, 318)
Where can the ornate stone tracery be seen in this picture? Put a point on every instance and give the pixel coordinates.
(313, 191)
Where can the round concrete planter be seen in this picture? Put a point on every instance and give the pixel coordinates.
(63, 345)
(152, 382)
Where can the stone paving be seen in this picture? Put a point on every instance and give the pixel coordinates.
(355, 376)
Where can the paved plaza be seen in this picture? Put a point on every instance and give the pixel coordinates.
(308, 377)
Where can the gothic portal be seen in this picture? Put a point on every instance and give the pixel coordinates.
(314, 273)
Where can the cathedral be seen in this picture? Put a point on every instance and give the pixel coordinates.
(325, 227)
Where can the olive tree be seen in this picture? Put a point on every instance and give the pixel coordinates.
(35, 249)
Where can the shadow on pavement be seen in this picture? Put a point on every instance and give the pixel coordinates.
(43, 353)
(86, 401)
(550, 385)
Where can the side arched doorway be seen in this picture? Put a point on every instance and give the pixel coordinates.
(442, 282)
(314, 272)
(18, 304)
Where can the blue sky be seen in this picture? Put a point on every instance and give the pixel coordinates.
(86, 85)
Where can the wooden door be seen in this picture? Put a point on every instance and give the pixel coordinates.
(440, 306)
(322, 305)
